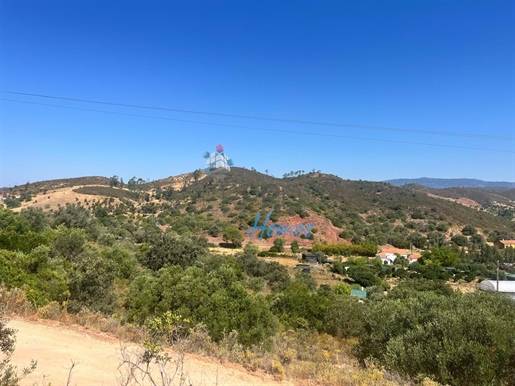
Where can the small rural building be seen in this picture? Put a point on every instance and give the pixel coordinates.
(387, 258)
(414, 257)
(501, 244)
(304, 268)
(310, 258)
(388, 253)
(505, 286)
(358, 293)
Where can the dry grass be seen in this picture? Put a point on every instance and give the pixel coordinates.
(15, 302)
(60, 197)
(462, 201)
(302, 357)
(287, 261)
(464, 287)
(225, 251)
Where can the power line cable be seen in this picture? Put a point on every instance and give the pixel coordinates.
(262, 129)
(294, 121)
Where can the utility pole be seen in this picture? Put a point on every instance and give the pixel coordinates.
(497, 275)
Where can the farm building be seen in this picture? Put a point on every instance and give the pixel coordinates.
(501, 244)
(304, 268)
(505, 286)
(310, 258)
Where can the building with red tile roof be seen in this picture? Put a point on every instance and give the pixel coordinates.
(504, 243)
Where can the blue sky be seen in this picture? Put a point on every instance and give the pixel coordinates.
(413, 67)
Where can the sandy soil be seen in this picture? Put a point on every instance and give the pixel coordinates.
(97, 357)
(462, 200)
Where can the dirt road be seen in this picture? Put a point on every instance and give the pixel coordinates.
(97, 357)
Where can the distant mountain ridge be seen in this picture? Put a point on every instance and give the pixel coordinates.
(443, 183)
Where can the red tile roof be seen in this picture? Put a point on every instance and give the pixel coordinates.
(391, 249)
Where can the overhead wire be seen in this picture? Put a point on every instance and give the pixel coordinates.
(280, 120)
(259, 128)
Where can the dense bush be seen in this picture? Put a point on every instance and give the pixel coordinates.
(90, 282)
(278, 245)
(411, 287)
(364, 276)
(468, 230)
(295, 248)
(168, 249)
(445, 257)
(459, 240)
(216, 299)
(275, 274)
(455, 340)
(299, 307)
(43, 278)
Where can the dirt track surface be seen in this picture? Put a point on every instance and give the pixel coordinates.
(97, 357)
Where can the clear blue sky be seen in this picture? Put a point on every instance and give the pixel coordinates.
(440, 66)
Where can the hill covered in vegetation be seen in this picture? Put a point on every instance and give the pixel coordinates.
(443, 183)
(357, 211)
(136, 253)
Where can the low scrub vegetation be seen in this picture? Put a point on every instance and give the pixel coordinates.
(105, 191)
(134, 270)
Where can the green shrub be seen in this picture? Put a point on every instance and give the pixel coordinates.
(341, 289)
(455, 340)
(299, 307)
(171, 249)
(42, 278)
(251, 249)
(90, 281)
(216, 299)
(12, 203)
(278, 245)
(363, 276)
(410, 287)
(345, 318)
(295, 246)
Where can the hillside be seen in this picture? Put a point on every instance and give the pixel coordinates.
(500, 202)
(139, 259)
(56, 184)
(340, 209)
(442, 183)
